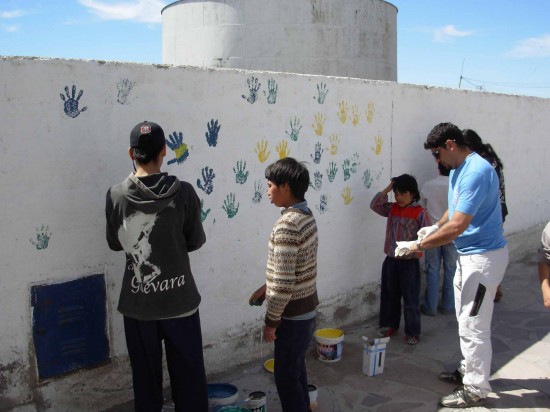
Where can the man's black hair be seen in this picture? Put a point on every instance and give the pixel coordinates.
(289, 170)
(406, 183)
(443, 132)
(145, 156)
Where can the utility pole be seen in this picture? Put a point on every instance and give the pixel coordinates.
(462, 70)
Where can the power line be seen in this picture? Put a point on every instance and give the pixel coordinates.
(506, 84)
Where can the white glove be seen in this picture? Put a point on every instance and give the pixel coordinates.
(424, 232)
(404, 248)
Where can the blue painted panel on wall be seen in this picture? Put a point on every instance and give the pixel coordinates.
(69, 326)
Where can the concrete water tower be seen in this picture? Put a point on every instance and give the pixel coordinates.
(349, 38)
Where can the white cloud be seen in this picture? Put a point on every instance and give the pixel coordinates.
(448, 33)
(9, 28)
(12, 14)
(145, 11)
(532, 47)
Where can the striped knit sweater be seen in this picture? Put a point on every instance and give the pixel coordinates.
(291, 266)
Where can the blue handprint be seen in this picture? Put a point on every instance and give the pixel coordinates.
(318, 150)
(323, 204)
(240, 172)
(258, 190)
(321, 93)
(331, 171)
(272, 88)
(253, 87)
(71, 104)
(204, 214)
(229, 205)
(175, 142)
(346, 168)
(367, 179)
(317, 180)
(212, 133)
(208, 176)
(295, 127)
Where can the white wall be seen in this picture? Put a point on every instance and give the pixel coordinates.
(55, 170)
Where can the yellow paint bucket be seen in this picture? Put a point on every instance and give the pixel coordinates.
(329, 344)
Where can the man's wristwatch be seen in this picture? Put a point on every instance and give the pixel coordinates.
(419, 245)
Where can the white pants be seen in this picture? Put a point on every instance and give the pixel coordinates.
(474, 329)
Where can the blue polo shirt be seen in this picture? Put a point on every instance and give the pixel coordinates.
(473, 190)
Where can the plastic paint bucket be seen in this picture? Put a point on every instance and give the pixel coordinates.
(312, 396)
(257, 402)
(233, 409)
(329, 344)
(221, 394)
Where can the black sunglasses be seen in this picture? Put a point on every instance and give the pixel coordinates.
(436, 154)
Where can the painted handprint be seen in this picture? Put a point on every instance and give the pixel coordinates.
(343, 111)
(367, 179)
(208, 176)
(42, 237)
(212, 133)
(71, 104)
(355, 162)
(334, 142)
(261, 151)
(229, 205)
(181, 150)
(316, 156)
(323, 204)
(319, 124)
(331, 171)
(378, 142)
(241, 174)
(124, 87)
(370, 112)
(321, 93)
(346, 168)
(282, 149)
(294, 129)
(253, 87)
(354, 115)
(272, 88)
(346, 195)
(317, 180)
(204, 213)
(258, 191)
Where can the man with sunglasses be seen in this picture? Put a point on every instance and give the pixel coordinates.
(473, 222)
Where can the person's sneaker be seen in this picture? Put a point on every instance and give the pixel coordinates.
(386, 332)
(411, 340)
(454, 377)
(425, 311)
(461, 398)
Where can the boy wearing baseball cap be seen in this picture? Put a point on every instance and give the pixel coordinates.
(155, 219)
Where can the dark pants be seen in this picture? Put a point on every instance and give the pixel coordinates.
(400, 279)
(293, 338)
(183, 345)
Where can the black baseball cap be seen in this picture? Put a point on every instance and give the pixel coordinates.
(147, 137)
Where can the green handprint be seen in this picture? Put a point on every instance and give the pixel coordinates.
(331, 171)
(294, 129)
(272, 88)
(229, 206)
(321, 92)
(42, 237)
(367, 179)
(204, 213)
(240, 172)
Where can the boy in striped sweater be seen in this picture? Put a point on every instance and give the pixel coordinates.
(290, 289)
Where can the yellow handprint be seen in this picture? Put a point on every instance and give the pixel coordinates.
(346, 194)
(343, 111)
(261, 149)
(378, 142)
(370, 112)
(334, 142)
(319, 124)
(282, 149)
(354, 115)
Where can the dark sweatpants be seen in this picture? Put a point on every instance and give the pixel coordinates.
(400, 279)
(183, 345)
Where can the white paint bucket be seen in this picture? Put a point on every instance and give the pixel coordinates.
(221, 394)
(257, 402)
(312, 396)
(329, 344)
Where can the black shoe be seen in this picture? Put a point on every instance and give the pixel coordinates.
(425, 311)
(454, 377)
(461, 398)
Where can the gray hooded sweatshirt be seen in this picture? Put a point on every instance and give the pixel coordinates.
(156, 220)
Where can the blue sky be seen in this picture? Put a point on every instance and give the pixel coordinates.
(500, 46)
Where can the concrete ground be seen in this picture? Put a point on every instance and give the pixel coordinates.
(521, 361)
